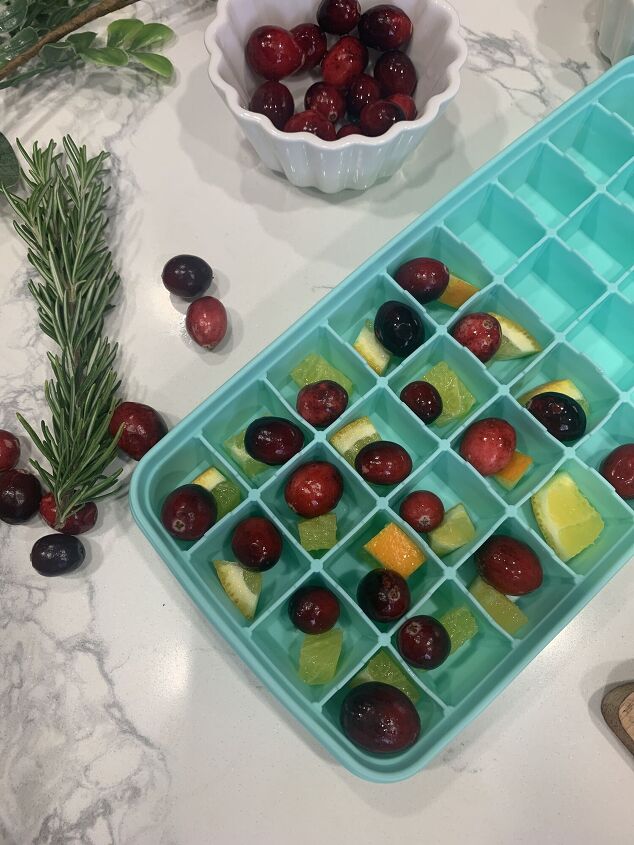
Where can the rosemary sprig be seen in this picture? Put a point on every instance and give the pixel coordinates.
(62, 220)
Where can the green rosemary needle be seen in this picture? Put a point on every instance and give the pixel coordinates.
(63, 222)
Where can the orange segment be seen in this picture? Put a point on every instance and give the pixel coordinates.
(393, 549)
(516, 468)
(457, 292)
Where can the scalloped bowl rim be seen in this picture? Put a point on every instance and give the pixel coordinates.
(430, 112)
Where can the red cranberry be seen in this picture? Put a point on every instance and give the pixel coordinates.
(313, 43)
(322, 403)
(273, 53)
(385, 27)
(425, 278)
(509, 565)
(142, 428)
(9, 450)
(363, 91)
(423, 399)
(188, 512)
(405, 103)
(313, 122)
(398, 327)
(383, 595)
(380, 116)
(395, 73)
(20, 494)
(561, 415)
(78, 522)
(275, 101)
(379, 718)
(488, 445)
(273, 440)
(338, 16)
(314, 489)
(349, 129)
(187, 276)
(344, 61)
(327, 100)
(618, 469)
(257, 543)
(423, 642)
(422, 510)
(56, 554)
(383, 463)
(314, 610)
(480, 333)
(206, 321)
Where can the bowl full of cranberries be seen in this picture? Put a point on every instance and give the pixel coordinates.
(335, 94)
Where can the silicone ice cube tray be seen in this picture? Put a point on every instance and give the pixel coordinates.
(546, 231)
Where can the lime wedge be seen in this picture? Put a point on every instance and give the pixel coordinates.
(249, 466)
(319, 656)
(456, 399)
(319, 533)
(460, 624)
(242, 587)
(567, 520)
(369, 348)
(454, 531)
(516, 341)
(227, 496)
(315, 368)
(501, 609)
(384, 668)
(564, 385)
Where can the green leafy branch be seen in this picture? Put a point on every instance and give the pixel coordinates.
(62, 221)
(29, 39)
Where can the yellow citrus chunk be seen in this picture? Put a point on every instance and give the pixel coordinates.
(369, 348)
(515, 470)
(516, 341)
(564, 385)
(457, 292)
(350, 439)
(567, 520)
(456, 399)
(242, 587)
(455, 531)
(500, 608)
(393, 549)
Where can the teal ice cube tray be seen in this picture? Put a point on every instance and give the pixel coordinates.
(546, 231)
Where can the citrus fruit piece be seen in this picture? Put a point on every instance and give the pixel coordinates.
(501, 609)
(393, 549)
(456, 399)
(564, 385)
(516, 341)
(454, 531)
(242, 587)
(319, 655)
(383, 668)
(369, 348)
(515, 470)
(350, 439)
(457, 292)
(314, 368)
(319, 533)
(226, 493)
(566, 519)
(460, 624)
(235, 447)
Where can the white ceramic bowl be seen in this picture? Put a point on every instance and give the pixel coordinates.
(437, 50)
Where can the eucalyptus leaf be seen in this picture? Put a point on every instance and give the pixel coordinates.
(21, 41)
(152, 35)
(81, 40)
(157, 64)
(109, 56)
(121, 33)
(14, 16)
(9, 167)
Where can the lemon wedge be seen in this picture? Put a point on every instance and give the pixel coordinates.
(516, 341)
(567, 520)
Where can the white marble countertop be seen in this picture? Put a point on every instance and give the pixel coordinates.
(123, 716)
